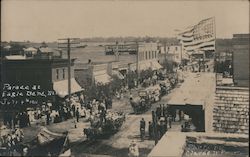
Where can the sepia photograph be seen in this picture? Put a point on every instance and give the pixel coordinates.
(124, 78)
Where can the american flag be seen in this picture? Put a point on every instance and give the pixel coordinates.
(200, 37)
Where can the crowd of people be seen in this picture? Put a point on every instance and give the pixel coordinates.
(162, 121)
(10, 143)
(14, 119)
(97, 110)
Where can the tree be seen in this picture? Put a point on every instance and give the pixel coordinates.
(130, 77)
(116, 83)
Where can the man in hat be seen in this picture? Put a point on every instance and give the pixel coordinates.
(158, 112)
(170, 121)
(77, 114)
(19, 134)
(150, 130)
(161, 127)
(130, 95)
(82, 100)
(47, 117)
(142, 128)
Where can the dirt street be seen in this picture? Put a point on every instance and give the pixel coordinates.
(117, 145)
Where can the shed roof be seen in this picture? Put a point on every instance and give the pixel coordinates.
(195, 90)
(15, 57)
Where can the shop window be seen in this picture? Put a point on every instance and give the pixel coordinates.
(63, 73)
(57, 74)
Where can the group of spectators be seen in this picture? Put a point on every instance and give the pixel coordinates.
(48, 113)
(97, 110)
(156, 129)
(146, 82)
(10, 143)
(164, 120)
(11, 120)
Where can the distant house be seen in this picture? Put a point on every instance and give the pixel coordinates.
(11, 49)
(46, 52)
(172, 55)
(176, 52)
(29, 52)
(7, 47)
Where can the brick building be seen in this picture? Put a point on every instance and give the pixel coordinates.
(49, 74)
(241, 59)
(231, 110)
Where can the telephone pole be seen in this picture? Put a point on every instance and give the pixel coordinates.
(117, 52)
(69, 42)
(137, 63)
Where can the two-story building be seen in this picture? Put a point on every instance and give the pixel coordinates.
(147, 57)
(172, 53)
(49, 74)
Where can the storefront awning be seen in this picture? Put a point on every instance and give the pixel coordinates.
(132, 67)
(118, 74)
(156, 65)
(61, 87)
(102, 79)
(143, 66)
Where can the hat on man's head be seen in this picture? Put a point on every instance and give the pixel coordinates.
(162, 119)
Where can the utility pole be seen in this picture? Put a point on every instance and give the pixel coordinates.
(137, 63)
(181, 53)
(165, 51)
(117, 52)
(69, 42)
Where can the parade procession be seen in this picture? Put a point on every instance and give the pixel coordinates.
(124, 79)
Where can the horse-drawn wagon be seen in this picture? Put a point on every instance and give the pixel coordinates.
(103, 127)
(142, 103)
(165, 87)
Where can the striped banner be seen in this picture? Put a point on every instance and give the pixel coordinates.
(200, 37)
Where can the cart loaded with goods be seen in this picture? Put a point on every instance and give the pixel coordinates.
(142, 103)
(165, 87)
(102, 127)
(145, 98)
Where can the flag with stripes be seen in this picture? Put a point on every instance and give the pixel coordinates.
(200, 37)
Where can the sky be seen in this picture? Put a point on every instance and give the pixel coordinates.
(49, 20)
